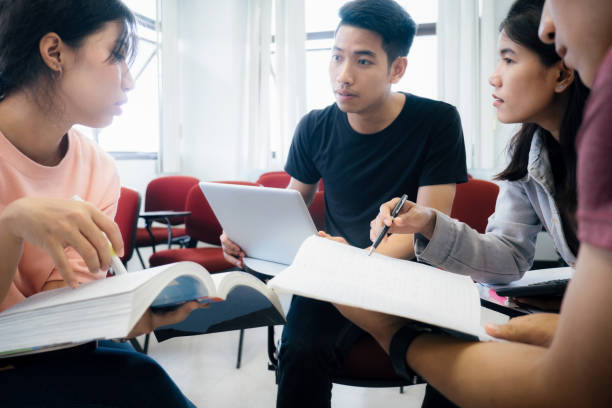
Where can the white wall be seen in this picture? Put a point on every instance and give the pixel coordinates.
(490, 146)
(212, 48)
(210, 68)
(136, 174)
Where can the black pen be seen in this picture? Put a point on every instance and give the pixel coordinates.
(394, 213)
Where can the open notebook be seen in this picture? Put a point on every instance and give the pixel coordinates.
(338, 273)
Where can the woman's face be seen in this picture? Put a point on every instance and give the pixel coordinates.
(524, 86)
(92, 86)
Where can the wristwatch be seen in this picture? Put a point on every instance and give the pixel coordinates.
(399, 346)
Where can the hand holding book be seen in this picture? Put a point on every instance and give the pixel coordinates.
(537, 329)
(152, 319)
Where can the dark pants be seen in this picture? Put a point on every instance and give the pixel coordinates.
(433, 399)
(108, 375)
(314, 343)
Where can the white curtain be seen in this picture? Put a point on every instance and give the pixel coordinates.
(458, 58)
(290, 78)
(467, 50)
(256, 137)
(275, 82)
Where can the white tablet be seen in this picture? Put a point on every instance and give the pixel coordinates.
(269, 224)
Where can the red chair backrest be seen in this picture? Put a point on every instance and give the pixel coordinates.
(202, 224)
(126, 218)
(169, 193)
(278, 179)
(475, 202)
(317, 210)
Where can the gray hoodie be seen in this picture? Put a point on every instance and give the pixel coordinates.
(507, 249)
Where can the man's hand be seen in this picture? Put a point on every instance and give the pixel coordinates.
(537, 329)
(231, 252)
(341, 240)
(152, 320)
(381, 326)
(55, 224)
(411, 219)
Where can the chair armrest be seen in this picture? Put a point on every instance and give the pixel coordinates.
(153, 215)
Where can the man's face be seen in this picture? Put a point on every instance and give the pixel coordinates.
(581, 31)
(359, 71)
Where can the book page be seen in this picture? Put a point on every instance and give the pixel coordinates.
(331, 271)
(96, 289)
(228, 281)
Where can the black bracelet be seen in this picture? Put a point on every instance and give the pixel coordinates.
(400, 343)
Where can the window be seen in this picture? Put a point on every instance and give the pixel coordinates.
(135, 133)
(421, 77)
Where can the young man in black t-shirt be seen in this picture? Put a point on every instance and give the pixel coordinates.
(370, 146)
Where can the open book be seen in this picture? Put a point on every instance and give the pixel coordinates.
(109, 308)
(338, 273)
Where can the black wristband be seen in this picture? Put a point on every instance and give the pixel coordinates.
(400, 343)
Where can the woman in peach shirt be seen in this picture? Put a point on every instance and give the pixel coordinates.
(64, 62)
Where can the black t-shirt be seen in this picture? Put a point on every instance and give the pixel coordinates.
(422, 146)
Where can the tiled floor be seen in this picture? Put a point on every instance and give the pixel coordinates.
(204, 369)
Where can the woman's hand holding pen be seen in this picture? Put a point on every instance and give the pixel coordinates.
(411, 219)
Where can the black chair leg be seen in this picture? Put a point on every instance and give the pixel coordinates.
(146, 345)
(141, 349)
(136, 346)
(240, 340)
(140, 258)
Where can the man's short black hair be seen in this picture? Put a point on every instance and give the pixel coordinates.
(387, 19)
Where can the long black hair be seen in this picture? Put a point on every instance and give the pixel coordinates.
(521, 26)
(23, 23)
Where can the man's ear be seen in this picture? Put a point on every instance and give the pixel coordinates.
(398, 69)
(565, 78)
(51, 48)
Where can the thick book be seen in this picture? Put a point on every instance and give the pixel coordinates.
(330, 271)
(109, 308)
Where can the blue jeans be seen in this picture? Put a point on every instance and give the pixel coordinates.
(314, 343)
(107, 375)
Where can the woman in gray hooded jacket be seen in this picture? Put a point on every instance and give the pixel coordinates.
(532, 86)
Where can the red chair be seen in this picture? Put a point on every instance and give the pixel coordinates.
(317, 210)
(126, 218)
(278, 179)
(201, 225)
(166, 193)
(475, 202)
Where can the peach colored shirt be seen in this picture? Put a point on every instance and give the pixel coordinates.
(85, 170)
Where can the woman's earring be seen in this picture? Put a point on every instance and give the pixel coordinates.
(57, 74)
